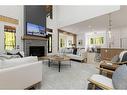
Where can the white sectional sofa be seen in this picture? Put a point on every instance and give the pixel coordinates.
(20, 73)
(80, 56)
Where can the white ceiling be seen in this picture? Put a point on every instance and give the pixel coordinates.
(67, 15)
(119, 18)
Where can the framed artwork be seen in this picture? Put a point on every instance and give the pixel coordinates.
(80, 42)
(69, 42)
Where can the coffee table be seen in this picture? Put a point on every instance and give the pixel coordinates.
(46, 58)
(59, 59)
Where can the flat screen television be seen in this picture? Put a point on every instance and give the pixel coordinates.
(35, 30)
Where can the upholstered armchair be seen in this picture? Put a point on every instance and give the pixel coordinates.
(113, 64)
(118, 81)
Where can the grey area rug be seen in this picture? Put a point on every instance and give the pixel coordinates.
(70, 78)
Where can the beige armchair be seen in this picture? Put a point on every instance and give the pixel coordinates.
(101, 81)
(118, 81)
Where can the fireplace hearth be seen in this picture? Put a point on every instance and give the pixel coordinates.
(37, 51)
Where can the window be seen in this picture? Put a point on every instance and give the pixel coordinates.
(62, 43)
(9, 37)
(96, 41)
(49, 43)
(65, 40)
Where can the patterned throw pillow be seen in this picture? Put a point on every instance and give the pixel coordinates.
(119, 77)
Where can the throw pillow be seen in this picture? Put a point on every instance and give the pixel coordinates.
(124, 58)
(119, 77)
(121, 55)
(115, 59)
(8, 53)
(22, 53)
(19, 54)
(78, 52)
(75, 51)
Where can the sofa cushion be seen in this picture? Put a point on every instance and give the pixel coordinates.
(83, 53)
(68, 50)
(76, 57)
(102, 80)
(18, 61)
(6, 56)
(119, 77)
(65, 50)
(78, 52)
(61, 50)
(20, 77)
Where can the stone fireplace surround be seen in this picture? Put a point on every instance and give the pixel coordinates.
(28, 43)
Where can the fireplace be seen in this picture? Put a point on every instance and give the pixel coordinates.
(37, 51)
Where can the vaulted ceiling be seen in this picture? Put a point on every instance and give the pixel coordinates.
(119, 18)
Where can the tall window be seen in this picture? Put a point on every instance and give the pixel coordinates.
(49, 43)
(9, 37)
(62, 42)
(65, 40)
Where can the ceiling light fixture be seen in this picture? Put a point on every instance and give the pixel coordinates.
(110, 27)
(110, 31)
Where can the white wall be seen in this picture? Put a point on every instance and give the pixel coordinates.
(68, 15)
(52, 23)
(85, 35)
(96, 34)
(117, 34)
(62, 15)
(15, 12)
(70, 38)
(81, 36)
(66, 38)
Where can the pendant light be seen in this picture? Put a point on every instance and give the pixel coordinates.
(110, 27)
(110, 30)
